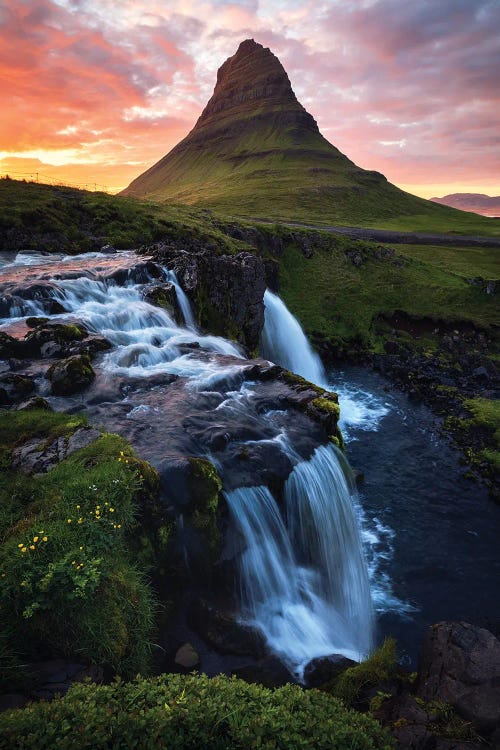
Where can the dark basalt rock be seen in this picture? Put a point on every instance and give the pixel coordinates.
(71, 375)
(223, 632)
(232, 307)
(270, 672)
(14, 387)
(164, 295)
(460, 665)
(324, 668)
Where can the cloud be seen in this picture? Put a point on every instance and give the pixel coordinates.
(409, 89)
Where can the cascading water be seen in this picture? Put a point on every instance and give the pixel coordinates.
(303, 575)
(304, 581)
(284, 342)
(184, 303)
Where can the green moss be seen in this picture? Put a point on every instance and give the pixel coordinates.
(204, 488)
(176, 712)
(77, 373)
(327, 405)
(351, 684)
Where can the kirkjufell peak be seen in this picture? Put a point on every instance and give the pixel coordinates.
(255, 151)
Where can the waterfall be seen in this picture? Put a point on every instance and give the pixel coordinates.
(304, 580)
(284, 342)
(184, 303)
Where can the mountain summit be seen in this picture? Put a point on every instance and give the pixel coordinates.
(255, 151)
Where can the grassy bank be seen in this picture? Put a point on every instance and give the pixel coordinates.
(49, 218)
(72, 585)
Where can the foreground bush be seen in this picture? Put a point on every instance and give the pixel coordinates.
(72, 583)
(175, 711)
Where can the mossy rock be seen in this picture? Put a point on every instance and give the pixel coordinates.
(204, 486)
(71, 375)
(14, 387)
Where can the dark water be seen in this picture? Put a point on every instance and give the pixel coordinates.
(443, 557)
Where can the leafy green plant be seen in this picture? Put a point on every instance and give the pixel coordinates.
(177, 712)
(66, 564)
(350, 684)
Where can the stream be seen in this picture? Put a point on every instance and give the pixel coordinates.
(324, 569)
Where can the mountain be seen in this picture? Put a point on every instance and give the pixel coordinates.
(479, 203)
(255, 151)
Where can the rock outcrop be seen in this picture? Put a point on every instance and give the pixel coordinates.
(460, 665)
(233, 306)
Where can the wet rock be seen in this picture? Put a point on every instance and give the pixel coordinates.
(233, 306)
(324, 668)
(14, 387)
(35, 322)
(36, 457)
(70, 375)
(108, 250)
(460, 665)
(9, 346)
(186, 657)
(32, 404)
(165, 296)
(270, 672)
(223, 632)
(91, 345)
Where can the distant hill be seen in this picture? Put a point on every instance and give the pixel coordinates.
(256, 152)
(479, 203)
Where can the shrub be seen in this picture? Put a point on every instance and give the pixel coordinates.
(70, 585)
(176, 711)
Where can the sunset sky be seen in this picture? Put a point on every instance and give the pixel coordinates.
(98, 90)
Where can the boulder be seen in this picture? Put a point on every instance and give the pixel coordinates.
(186, 657)
(71, 375)
(14, 387)
(324, 668)
(223, 632)
(36, 457)
(164, 295)
(34, 403)
(460, 665)
(270, 672)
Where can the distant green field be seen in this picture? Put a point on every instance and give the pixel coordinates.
(465, 261)
(342, 302)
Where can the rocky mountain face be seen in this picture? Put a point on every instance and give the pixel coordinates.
(479, 203)
(256, 151)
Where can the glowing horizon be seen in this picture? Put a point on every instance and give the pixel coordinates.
(97, 92)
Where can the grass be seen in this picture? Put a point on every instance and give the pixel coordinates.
(34, 216)
(351, 684)
(70, 583)
(486, 415)
(341, 302)
(469, 262)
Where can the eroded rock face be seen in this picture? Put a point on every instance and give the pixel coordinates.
(460, 665)
(227, 290)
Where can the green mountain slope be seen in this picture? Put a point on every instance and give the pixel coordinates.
(256, 152)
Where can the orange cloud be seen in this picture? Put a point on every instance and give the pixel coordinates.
(96, 91)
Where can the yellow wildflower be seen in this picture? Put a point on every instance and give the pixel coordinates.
(23, 549)
(20, 545)
(80, 520)
(32, 546)
(35, 539)
(45, 539)
(69, 520)
(111, 510)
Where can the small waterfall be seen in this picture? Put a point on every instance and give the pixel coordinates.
(304, 581)
(184, 303)
(284, 342)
